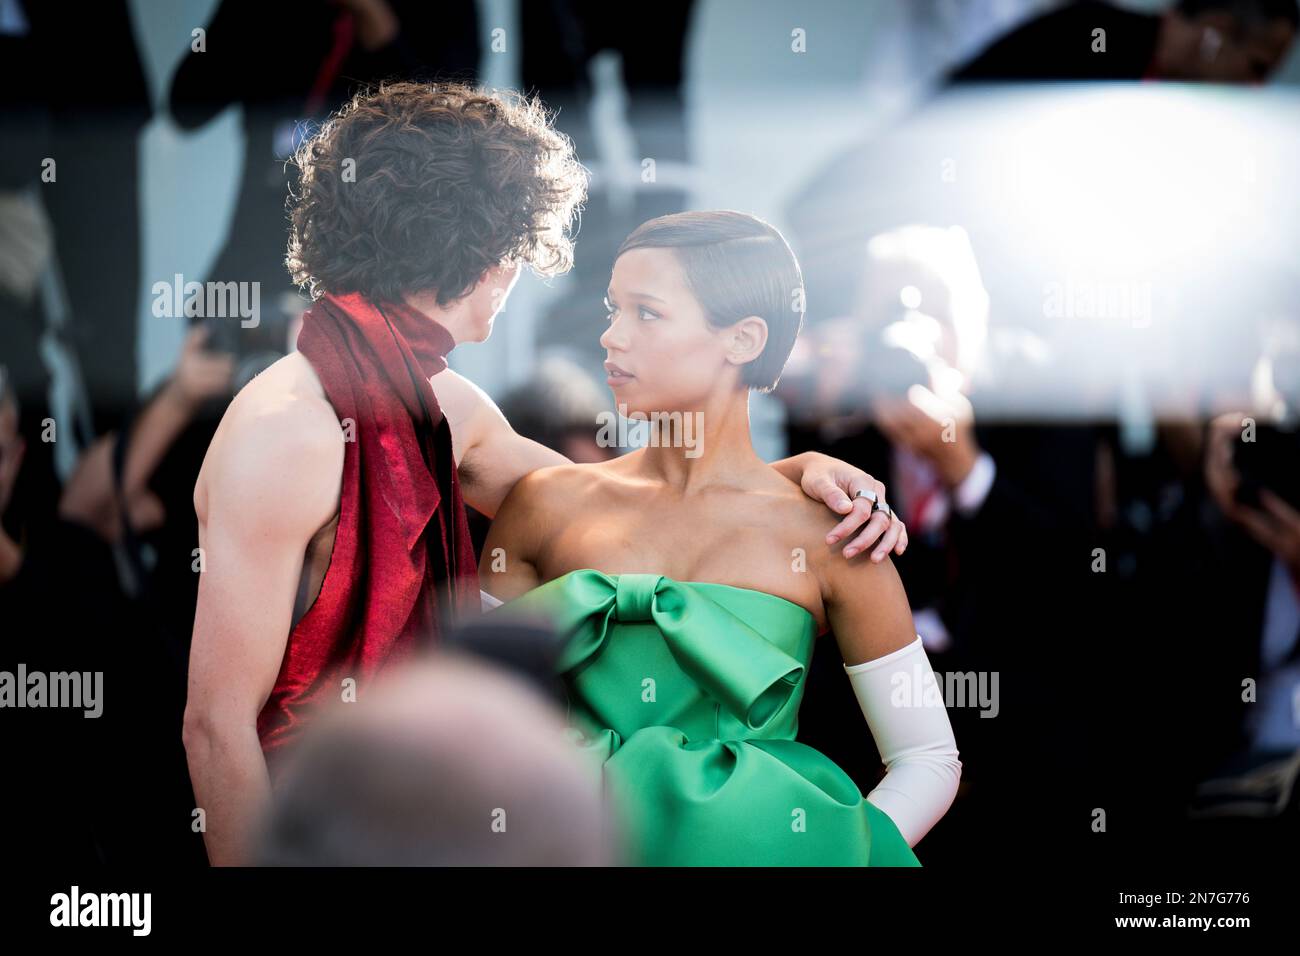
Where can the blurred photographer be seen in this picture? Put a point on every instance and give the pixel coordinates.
(1252, 473)
(114, 554)
(911, 383)
(59, 603)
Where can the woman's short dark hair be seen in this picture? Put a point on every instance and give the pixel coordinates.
(736, 265)
(416, 187)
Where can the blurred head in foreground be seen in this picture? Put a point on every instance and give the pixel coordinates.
(447, 762)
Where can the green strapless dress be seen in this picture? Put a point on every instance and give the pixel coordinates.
(687, 694)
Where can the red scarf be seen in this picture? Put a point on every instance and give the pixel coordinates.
(403, 561)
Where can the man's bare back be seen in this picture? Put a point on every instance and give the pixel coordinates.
(288, 398)
(268, 507)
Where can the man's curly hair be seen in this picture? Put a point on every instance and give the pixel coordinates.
(449, 181)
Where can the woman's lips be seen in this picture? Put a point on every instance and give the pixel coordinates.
(616, 375)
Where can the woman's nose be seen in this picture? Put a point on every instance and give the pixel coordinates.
(612, 338)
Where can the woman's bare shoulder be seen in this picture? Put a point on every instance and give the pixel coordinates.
(540, 506)
(555, 487)
(802, 523)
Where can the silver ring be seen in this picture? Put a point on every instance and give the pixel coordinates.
(863, 493)
(881, 506)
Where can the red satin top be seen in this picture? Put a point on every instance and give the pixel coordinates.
(403, 564)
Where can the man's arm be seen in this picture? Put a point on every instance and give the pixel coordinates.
(495, 456)
(200, 375)
(91, 495)
(269, 482)
(492, 454)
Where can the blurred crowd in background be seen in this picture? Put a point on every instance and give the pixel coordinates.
(1109, 520)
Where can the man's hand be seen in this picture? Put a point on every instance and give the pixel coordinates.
(1277, 527)
(834, 482)
(200, 374)
(12, 449)
(377, 24)
(939, 428)
(1221, 478)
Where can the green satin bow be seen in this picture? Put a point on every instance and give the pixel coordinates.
(737, 666)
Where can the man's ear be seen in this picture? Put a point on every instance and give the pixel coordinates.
(746, 339)
(499, 272)
(496, 277)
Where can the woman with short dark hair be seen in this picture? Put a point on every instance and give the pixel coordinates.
(693, 581)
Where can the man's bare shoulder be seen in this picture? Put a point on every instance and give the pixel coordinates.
(283, 412)
(279, 443)
(459, 398)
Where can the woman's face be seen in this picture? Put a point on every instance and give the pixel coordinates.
(658, 334)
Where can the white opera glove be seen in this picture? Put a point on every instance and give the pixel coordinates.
(903, 704)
